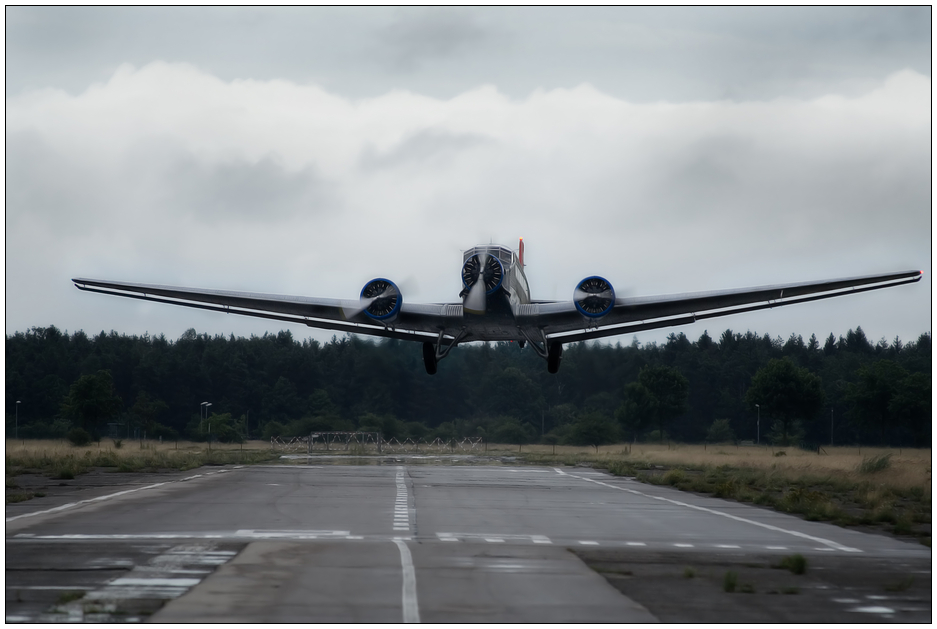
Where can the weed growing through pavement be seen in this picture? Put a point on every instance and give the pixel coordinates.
(795, 563)
(69, 596)
(901, 586)
(730, 581)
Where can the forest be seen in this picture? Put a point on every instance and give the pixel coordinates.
(737, 387)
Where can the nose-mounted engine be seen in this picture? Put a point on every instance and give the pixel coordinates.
(594, 297)
(381, 300)
(482, 275)
(491, 271)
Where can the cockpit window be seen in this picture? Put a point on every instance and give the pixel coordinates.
(505, 254)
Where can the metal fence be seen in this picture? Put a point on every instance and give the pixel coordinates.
(372, 443)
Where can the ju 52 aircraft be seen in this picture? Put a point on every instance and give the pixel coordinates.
(496, 306)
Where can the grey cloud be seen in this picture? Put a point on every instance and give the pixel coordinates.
(640, 54)
(61, 193)
(422, 148)
(243, 190)
(426, 36)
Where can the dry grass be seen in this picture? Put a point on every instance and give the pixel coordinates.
(908, 467)
(60, 459)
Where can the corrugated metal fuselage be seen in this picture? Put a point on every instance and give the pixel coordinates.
(499, 322)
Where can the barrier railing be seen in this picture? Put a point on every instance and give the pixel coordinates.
(372, 443)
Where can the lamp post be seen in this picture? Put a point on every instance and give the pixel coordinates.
(207, 404)
(16, 426)
(758, 426)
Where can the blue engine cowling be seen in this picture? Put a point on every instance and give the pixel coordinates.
(594, 297)
(381, 300)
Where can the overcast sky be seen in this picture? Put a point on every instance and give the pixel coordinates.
(308, 150)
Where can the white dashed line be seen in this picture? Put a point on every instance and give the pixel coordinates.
(588, 543)
(635, 543)
(684, 545)
(401, 509)
(727, 546)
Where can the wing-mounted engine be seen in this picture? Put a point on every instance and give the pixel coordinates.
(381, 300)
(482, 275)
(594, 297)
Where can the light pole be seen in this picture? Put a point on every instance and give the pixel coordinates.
(16, 426)
(758, 426)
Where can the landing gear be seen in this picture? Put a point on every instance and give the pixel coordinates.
(434, 352)
(545, 349)
(429, 358)
(554, 356)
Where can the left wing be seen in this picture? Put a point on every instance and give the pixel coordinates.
(414, 322)
(562, 322)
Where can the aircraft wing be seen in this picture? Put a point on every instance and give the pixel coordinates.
(561, 321)
(415, 322)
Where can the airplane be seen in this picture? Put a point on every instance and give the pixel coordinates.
(496, 306)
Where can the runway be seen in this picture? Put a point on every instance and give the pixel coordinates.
(387, 543)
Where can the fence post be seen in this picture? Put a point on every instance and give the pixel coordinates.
(378, 443)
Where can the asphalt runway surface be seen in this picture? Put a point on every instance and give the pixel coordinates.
(399, 542)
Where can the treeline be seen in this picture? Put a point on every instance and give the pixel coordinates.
(684, 390)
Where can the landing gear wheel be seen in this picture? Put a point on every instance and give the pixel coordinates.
(429, 358)
(554, 356)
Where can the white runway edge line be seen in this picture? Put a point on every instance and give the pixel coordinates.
(770, 527)
(107, 497)
(411, 609)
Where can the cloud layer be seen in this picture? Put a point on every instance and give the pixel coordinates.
(169, 174)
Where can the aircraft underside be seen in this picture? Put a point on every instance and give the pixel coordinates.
(496, 306)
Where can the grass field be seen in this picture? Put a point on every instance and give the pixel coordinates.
(886, 489)
(59, 459)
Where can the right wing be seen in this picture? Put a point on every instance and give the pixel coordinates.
(415, 322)
(561, 321)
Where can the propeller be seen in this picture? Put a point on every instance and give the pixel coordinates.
(476, 301)
(380, 299)
(580, 294)
(482, 275)
(594, 297)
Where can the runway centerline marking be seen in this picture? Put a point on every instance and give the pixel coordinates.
(401, 509)
(826, 542)
(411, 608)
